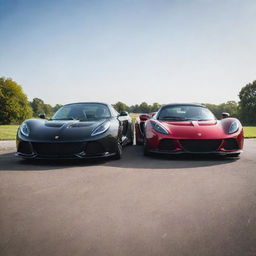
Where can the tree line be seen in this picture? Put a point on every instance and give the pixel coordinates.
(15, 106)
(245, 109)
(232, 107)
(38, 106)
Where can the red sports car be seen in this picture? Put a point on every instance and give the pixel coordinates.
(191, 128)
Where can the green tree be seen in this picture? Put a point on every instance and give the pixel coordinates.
(231, 107)
(120, 106)
(37, 106)
(144, 107)
(134, 109)
(155, 107)
(247, 104)
(56, 107)
(217, 109)
(48, 110)
(14, 105)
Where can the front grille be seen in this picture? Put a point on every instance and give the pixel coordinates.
(231, 144)
(24, 147)
(94, 148)
(60, 149)
(200, 145)
(167, 144)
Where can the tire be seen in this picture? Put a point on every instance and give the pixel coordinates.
(118, 152)
(130, 137)
(145, 149)
(137, 141)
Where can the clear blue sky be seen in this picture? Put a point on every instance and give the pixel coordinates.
(129, 50)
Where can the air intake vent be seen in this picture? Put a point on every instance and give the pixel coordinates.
(231, 144)
(59, 149)
(94, 148)
(167, 144)
(25, 147)
(200, 145)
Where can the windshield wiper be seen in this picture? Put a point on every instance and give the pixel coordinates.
(93, 119)
(205, 120)
(173, 117)
(64, 119)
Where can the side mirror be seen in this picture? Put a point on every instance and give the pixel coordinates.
(42, 115)
(144, 117)
(123, 113)
(225, 115)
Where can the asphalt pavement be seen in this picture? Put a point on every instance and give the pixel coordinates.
(138, 205)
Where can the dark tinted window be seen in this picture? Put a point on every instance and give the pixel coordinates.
(82, 112)
(185, 113)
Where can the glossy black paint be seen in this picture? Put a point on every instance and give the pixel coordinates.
(63, 136)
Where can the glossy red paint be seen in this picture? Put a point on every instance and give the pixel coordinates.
(184, 135)
(144, 117)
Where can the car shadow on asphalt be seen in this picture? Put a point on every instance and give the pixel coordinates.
(132, 158)
(9, 162)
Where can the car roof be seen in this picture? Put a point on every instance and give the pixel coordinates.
(184, 104)
(91, 102)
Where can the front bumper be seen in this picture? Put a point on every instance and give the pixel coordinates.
(227, 146)
(223, 153)
(75, 156)
(89, 149)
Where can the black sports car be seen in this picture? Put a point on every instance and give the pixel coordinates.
(78, 130)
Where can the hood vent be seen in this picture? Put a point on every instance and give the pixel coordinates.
(207, 123)
(183, 123)
(77, 125)
(190, 123)
(54, 124)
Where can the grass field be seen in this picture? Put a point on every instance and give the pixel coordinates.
(250, 131)
(8, 132)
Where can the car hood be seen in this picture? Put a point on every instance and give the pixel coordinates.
(59, 130)
(198, 129)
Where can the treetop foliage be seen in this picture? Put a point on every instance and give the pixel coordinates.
(14, 105)
(247, 104)
(141, 108)
(38, 107)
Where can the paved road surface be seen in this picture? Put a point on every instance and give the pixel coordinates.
(135, 206)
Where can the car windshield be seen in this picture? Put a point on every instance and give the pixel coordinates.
(185, 113)
(82, 112)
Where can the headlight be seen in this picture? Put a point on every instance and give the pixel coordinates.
(101, 128)
(233, 127)
(159, 128)
(24, 129)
